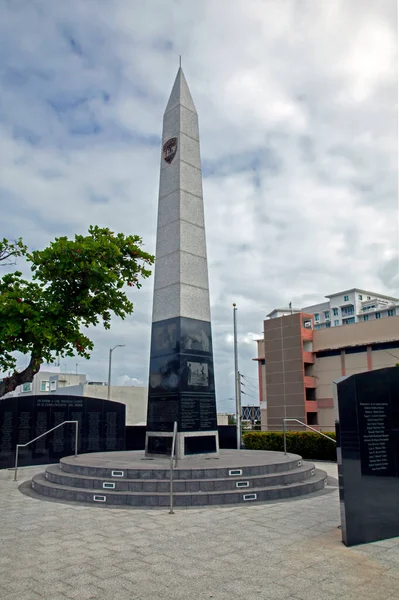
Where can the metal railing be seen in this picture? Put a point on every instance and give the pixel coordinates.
(308, 427)
(40, 436)
(172, 456)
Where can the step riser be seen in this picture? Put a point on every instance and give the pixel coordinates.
(142, 500)
(180, 485)
(181, 473)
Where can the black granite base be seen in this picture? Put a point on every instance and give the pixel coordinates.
(368, 455)
(181, 382)
(127, 479)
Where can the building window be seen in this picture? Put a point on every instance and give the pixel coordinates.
(378, 315)
(368, 297)
(346, 298)
(317, 317)
(336, 323)
(53, 385)
(335, 312)
(391, 312)
(311, 418)
(365, 318)
(317, 326)
(360, 297)
(26, 387)
(328, 324)
(44, 386)
(327, 314)
(348, 321)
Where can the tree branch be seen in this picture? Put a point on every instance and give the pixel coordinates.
(26, 376)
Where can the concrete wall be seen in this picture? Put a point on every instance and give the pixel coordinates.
(325, 418)
(356, 334)
(355, 363)
(380, 359)
(284, 371)
(134, 398)
(222, 419)
(326, 370)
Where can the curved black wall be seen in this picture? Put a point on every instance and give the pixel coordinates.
(101, 427)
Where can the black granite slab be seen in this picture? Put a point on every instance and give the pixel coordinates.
(101, 427)
(368, 455)
(181, 381)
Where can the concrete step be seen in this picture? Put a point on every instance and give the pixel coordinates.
(133, 465)
(55, 475)
(142, 499)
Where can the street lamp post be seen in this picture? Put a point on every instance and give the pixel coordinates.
(109, 367)
(237, 380)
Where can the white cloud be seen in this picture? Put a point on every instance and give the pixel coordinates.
(297, 107)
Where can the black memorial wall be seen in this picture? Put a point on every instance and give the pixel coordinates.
(368, 455)
(181, 383)
(101, 427)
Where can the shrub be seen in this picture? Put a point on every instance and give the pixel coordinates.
(305, 443)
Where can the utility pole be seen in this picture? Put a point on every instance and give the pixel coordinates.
(109, 367)
(237, 380)
(239, 440)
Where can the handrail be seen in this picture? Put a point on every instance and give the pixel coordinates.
(171, 512)
(40, 436)
(304, 424)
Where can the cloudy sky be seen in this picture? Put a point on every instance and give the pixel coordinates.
(298, 124)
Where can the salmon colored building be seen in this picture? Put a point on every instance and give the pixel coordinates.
(297, 365)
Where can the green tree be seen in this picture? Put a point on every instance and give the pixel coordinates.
(76, 283)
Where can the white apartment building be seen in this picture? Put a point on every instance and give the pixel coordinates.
(48, 379)
(343, 308)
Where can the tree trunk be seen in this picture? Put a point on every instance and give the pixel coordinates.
(26, 376)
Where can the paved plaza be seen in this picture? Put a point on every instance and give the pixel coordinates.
(290, 550)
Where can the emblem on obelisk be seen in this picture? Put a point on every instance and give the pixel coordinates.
(170, 149)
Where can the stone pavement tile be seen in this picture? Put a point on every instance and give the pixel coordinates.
(264, 590)
(390, 543)
(187, 592)
(296, 583)
(393, 571)
(104, 573)
(112, 584)
(85, 592)
(29, 595)
(14, 585)
(59, 587)
(392, 554)
(344, 589)
(371, 592)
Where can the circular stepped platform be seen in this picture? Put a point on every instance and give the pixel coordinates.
(130, 479)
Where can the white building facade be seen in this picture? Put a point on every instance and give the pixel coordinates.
(343, 308)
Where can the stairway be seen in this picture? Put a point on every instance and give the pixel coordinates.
(128, 479)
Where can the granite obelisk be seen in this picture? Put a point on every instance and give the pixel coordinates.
(181, 380)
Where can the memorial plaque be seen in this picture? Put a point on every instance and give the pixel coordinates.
(163, 412)
(164, 374)
(200, 444)
(8, 433)
(164, 339)
(196, 337)
(101, 427)
(160, 444)
(368, 455)
(197, 413)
